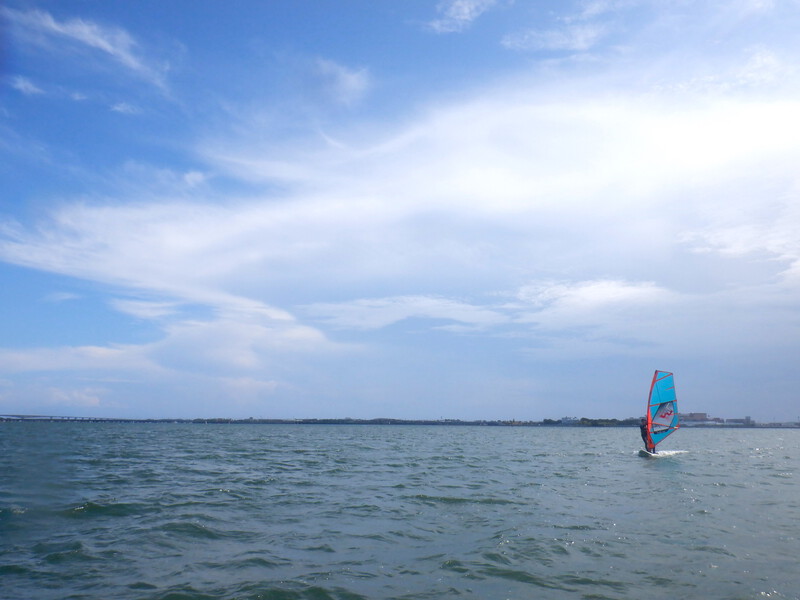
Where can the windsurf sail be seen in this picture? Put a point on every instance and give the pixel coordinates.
(662, 407)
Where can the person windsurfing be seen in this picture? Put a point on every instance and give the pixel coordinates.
(648, 442)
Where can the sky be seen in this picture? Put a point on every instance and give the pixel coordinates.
(459, 209)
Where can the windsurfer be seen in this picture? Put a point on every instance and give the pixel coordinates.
(648, 442)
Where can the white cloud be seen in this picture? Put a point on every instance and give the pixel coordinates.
(344, 85)
(578, 31)
(90, 397)
(589, 294)
(233, 344)
(604, 304)
(479, 191)
(458, 15)
(759, 69)
(125, 108)
(746, 7)
(77, 358)
(194, 178)
(597, 317)
(579, 38)
(591, 9)
(40, 27)
(765, 237)
(246, 352)
(248, 392)
(143, 180)
(26, 86)
(61, 297)
(381, 312)
(145, 309)
(762, 66)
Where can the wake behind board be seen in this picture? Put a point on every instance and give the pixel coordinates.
(662, 454)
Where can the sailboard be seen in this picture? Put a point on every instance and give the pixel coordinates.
(662, 408)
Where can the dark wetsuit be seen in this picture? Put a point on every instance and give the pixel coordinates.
(648, 443)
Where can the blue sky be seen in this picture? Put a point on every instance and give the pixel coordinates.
(474, 209)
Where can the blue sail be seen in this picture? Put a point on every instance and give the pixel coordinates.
(662, 407)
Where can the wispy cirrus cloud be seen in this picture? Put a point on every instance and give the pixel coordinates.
(57, 297)
(458, 15)
(344, 85)
(578, 31)
(144, 309)
(226, 344)
(577, 37)
(374, 313)
(26, 86)
(86, 397)
(125, 108)
(41, 28)
(74, 358)
(595, 8)
(595, 305)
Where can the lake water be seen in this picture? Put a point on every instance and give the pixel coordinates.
(282, 512)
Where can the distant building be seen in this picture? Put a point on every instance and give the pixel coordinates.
(698, 418)
(746, 422)
(694, 416)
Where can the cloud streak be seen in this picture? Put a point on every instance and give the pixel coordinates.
(507, 164)
(26, 86)
(458, 15)
(382, 312)
(38, 27)
(578, 38)
(344, 85)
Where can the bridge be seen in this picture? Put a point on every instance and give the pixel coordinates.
(61, 418)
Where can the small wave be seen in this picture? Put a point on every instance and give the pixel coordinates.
(408, 534)
(6, 514)
(254, 562)
(362, 508)
(714, 550)
(14, 570)
(315, 592)
(185, 593)
(460, 500)
(497, 557)
(62, 552)
(522, 577)
(575, 527)
(259, 562)
(142, 585)
(455, 566)
(111, 509)
(321, 548)
(191, 530)
(582, 580)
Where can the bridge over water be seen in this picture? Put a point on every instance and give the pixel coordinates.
(61, 418)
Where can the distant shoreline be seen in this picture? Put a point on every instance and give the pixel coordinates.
(633, 422)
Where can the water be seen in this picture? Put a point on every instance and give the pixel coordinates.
(283, 512)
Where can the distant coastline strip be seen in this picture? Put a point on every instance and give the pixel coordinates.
(583, 422)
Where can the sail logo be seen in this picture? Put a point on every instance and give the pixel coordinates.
(666, 413)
